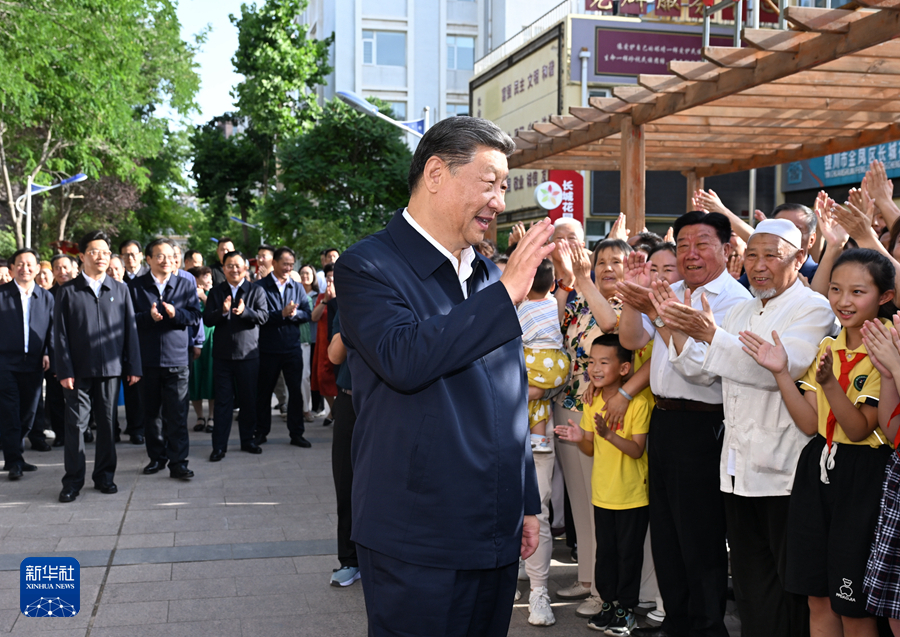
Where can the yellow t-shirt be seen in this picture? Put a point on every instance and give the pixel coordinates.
(619, 481)
(865, 385)
(641, 357)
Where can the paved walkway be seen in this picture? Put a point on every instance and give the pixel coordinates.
(245, 549)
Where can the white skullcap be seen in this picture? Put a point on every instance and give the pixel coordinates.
(780, 228)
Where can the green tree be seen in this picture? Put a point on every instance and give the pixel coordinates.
(343, 178)
(81, 82)
(282, 67)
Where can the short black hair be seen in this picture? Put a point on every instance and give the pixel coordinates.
(610, 244)
(327, 250)
(130, 242)
(808, 215)
(665, 245)
(234, 253)
(612, 340)
(280, 252)
(57, 257)
(543, 278)
(328, 267)
(93, 235)
(22, 251)
(225, 240)
(646, 241)
(148, 251)
(454, 140)
(190, 254)
(715, 220)
(4, 263)
(266, 247)
(199, 271)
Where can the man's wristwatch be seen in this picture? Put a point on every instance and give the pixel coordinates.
(658, 322)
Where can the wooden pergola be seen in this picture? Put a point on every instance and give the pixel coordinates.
(829, 85)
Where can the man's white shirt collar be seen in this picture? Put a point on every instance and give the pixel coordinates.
(463, 266)
(95, 285)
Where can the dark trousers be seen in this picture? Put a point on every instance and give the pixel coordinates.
(342, 470)
(164, 396)
(134, 414)
(36, 433)
(234, 381)
(19, 394)
(411, 600)
(101, 395)
(687, 520)
(620, 554)
(757, 535)
(318, 403)
(55, 406)
(270, 366)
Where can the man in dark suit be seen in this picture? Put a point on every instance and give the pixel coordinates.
(64, 268)
(444, 488)
(237, 309)
(224, 246)
(26, 320)
(279, 347)
(133, 259)
(166, 310)
(95, 342)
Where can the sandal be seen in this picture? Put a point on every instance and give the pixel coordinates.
(201, 424)
(209, 426)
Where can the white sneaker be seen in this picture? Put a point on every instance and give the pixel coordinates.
(518, 595)
(523, 576)
(575, 591)
(656, 617)
(539, 605)
(590, 607)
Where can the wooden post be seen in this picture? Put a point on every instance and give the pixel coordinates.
(632, 175)
(694, 183)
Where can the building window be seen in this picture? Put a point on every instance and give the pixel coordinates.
(457, 109)
(460, 53)
(399, 109)
(384, 48)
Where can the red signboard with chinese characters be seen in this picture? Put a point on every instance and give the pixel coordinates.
(636, 51)
(572, 186)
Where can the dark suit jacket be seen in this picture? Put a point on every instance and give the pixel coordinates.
(40, 329)
(237, 336)
(165, 343)
(442, 468)
(282, 335)
(144, 269)
(218, 274)
(93, 337)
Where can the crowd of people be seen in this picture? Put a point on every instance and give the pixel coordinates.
(165, 334)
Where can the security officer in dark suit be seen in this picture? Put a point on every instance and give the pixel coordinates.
(64, 268)
(166, 310)
(444, 489)
(132, 255)
(26, 321)
(95, 342)
(223, 246)
(279, 347)
(237, 309)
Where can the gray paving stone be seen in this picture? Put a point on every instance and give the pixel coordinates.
(87, 543)
(172, 526)
(146, 540)
(173, 554)
(335, 599)
(316, 564)
(139, 573)
(283, 549)
(237, 607)
(232, 568)
(26, 548)
(168, 590)
(11, 562)
(275, 584)
(193, 538)
(134, 614)
(178, 629)
(345, 625)
(9, 599)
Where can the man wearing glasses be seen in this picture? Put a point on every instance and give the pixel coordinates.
(166, 310)
(95, 342)
(132, 259)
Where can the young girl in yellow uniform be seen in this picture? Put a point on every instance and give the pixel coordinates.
(837, 487)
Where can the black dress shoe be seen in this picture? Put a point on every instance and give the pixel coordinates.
(59, 443)
(27, 467)
(154, 467)
(117, 436)
(181, 473)
(251, 447)
(89, 436)
(209, 428)
(300, 441)
(40, 445)
(15, 472)
(107, 488)
(68, 495)
(200, 426)
(328, 422)
(137, 439)
(261, 440)
(216, 455)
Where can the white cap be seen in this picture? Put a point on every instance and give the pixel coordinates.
(781, 228)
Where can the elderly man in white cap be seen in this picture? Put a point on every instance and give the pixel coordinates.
(761, 445)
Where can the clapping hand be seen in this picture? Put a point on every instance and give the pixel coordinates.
(881, 344)
(769, 356)
(618, 230)
(226, 305)
(635, 289)
(237, 311)
(154, 313)
(524, 261)
(289, 310)
(708, 201)
(570, 432)
(601, 426)
(169, 308)
(825, 370)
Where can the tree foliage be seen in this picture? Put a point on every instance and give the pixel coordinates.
(343, 178)
(82, 80)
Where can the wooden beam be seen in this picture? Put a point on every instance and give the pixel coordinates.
(568, 122)
(632, 175)
(775, 40)
(823, 76)
(732, 57)
(662, 83)
(802, 102)
(634, 94)
(610, 104)
(830, 91)
(864, 65)
(550, 130)
(807, 151)
(695, 71)
(823, 20)
(763, 114)
(694, 183)
(881, 4)
(589, 115)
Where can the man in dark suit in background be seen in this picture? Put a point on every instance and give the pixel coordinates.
(279, 347)
(26, 321)
(444, 488)
(236, 308)
(223, 247)
(133, 259)
(95, 342)
(166, 310)
(64, 268)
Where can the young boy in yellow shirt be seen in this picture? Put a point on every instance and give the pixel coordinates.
(618, 485)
